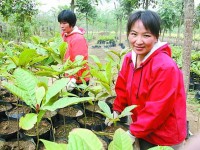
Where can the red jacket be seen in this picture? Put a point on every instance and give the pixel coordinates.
(77, 45)
(157, 88)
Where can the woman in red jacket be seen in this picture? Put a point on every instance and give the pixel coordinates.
(150, 79)
(77, 45)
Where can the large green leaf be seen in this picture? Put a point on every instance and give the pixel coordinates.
(78, 140)
(26, 56)
(53, 146)
(64, 102)
(121, 141)
(56, 87)
(28, 121)
(26, 81)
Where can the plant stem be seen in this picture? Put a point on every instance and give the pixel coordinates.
(18, 123)
(37, 124)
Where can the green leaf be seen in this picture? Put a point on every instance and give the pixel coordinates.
(26, 56)
(161, 148)
(26, 81)
(64, 102)
(14, 59)
(35, 39)
(47, 73)
(121, 141)
(28, 121)
(56, 87)
(78, 140)
(105, 108)
(37, 59)
(40, 93)
(127, 111)
(97, 61)
(53, 146)
(40, 115)
(62, 49)
(56, 58)
(95, 89)
(109, 72)
(15, 90)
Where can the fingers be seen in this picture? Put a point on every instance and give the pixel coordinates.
(108, 122)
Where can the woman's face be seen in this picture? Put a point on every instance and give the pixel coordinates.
(65, 27)
(141, 39)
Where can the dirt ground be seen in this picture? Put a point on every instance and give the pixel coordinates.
(193, 117)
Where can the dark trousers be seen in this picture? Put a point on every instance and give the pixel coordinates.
(144, 145)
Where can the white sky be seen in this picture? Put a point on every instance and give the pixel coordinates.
(48, 4)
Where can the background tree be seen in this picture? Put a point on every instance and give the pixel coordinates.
(187, 47)
(21, 11)
(171, 13)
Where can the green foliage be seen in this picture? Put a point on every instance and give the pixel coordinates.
(52, 145)
(27, 122)
(121, 141)
(161, 148)
(78, 141)
(171, 13)
(107, 112)
(21, 10)
(177, 55)
(104, 76)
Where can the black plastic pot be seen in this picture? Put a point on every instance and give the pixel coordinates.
(197, 95)
(196, 86)
(4, 106)
(91, 122)
(9, 129)
(43, 134)
(51, 116)
(70, 112)
(17, 114)
(62, 129)
(111, 129)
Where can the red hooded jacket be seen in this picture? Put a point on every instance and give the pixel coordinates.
(157, 88)
(77, 45)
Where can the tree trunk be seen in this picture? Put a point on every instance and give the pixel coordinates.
(72, 5)
(120, 30)
(187, 47)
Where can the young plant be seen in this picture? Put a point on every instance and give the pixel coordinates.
(104, 75)
(78, 141)
(107, 112)
(38, 96)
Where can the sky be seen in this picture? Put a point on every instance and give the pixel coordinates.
(48, 4)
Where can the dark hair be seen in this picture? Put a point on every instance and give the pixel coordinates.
(67, 16)
(150, 20)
